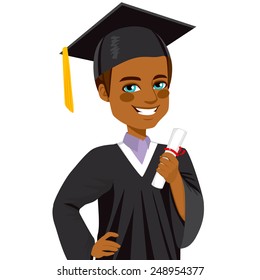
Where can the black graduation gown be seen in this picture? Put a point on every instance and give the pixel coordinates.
(145, 218)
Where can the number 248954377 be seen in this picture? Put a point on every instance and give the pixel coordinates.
(189, 270)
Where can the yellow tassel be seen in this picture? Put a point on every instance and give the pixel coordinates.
(67, 80)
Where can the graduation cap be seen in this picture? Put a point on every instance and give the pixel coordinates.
(126, 32)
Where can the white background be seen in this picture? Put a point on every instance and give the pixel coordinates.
(214, 96)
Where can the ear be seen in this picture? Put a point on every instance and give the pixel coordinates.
(103, 93)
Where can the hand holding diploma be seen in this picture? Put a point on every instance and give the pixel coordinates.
(168, 166)
(168, 170)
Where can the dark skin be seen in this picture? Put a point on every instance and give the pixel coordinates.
(139, 97)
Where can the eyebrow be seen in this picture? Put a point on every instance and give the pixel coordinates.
(160, 76)
(130, 78)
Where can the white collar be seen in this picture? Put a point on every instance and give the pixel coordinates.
(138, 166)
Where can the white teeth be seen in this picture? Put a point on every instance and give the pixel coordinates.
(146, 112)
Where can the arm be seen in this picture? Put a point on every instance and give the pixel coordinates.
(169, 169)
(178, 193)
(84, 184)
(186, 193)
(194, 206)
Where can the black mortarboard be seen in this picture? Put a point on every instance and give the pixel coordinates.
(124, 33)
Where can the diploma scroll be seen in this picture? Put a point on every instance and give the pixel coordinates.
(174, 144)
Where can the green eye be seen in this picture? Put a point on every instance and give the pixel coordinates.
(159, 86)
(131, 88)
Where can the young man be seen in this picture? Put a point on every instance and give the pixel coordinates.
(132, 69)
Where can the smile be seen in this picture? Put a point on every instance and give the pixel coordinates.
(146, 111)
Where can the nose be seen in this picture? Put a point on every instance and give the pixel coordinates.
(150, 96)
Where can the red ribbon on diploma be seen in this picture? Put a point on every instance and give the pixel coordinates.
(179, 153)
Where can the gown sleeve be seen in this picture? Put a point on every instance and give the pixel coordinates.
(193, 200)
(87, 182)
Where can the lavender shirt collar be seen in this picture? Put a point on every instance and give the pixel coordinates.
(139, 147)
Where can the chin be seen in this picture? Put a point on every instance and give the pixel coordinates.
(146, 124)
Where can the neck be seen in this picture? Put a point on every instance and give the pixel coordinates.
(138, 133)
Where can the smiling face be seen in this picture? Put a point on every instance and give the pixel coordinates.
(139, 93)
